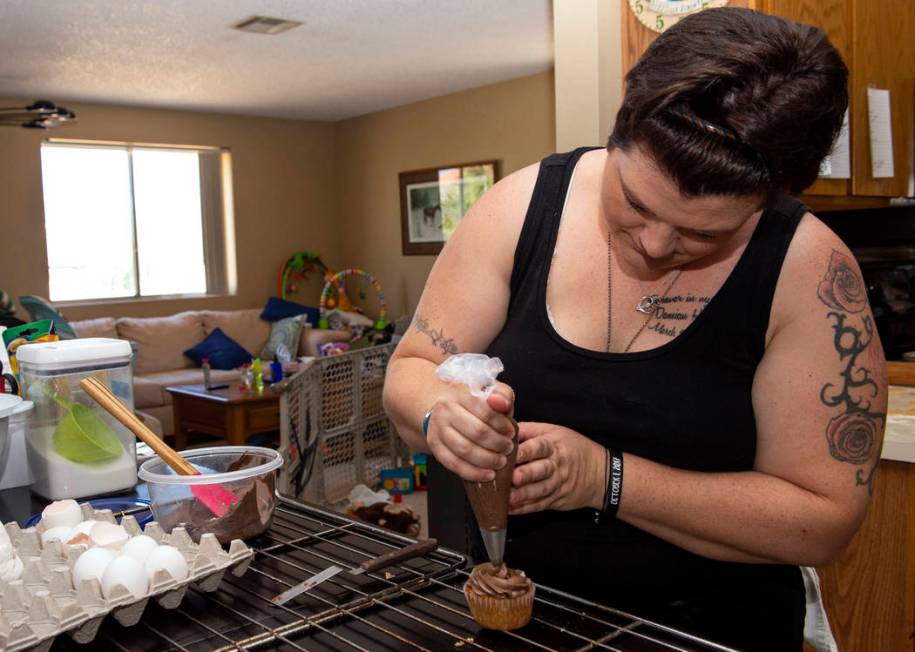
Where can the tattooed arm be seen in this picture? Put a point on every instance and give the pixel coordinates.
(820, 401)
(462, 309)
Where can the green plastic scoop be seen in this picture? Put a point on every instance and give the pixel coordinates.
(82, 436)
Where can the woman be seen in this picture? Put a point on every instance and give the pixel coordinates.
(689, 353)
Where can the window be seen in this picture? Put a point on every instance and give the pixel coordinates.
(126, 221)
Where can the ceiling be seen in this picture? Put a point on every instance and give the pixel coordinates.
(349, 58)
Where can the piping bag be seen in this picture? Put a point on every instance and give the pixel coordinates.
(489, 499)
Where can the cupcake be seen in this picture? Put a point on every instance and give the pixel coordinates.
(499, 597)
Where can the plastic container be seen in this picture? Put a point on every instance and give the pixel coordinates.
(14, 466)
(75, 448)
(249, 472)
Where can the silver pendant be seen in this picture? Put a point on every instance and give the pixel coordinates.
(649, 304)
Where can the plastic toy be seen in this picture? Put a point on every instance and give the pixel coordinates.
(398, 480)
(336, 282)
(297, 267)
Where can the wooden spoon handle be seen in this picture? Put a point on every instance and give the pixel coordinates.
(103, 396)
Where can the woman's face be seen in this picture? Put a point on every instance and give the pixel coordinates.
(656, 228)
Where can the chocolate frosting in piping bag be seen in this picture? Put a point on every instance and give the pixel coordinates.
(490, 503)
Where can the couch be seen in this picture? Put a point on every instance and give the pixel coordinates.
(159, 344)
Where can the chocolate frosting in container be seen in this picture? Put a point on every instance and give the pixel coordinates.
(498, 580)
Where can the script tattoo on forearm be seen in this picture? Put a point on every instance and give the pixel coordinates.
(446, 344)
(852, 434)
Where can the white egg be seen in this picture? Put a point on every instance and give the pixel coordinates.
(127, 572)
(139, 547)
(61, 513)
(169, 559)
(92, 564)
(108, 535)
(10, 564)
(61, 533)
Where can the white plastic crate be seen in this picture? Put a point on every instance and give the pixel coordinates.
(334, 433)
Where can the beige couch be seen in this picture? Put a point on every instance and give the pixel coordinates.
(160, 342)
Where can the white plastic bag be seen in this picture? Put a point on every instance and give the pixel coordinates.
(476, 370)
(360, 495)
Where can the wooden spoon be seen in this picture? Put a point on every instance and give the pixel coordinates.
(216, 498)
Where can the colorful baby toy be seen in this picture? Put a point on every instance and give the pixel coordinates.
(335, 283)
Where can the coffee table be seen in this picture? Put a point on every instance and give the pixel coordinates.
(230, 413)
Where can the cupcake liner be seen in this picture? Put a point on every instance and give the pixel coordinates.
(496, 612)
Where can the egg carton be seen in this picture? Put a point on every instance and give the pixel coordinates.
(43, 603)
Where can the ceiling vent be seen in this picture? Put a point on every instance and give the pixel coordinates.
(266, 25)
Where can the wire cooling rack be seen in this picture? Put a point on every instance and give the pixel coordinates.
(415, 605)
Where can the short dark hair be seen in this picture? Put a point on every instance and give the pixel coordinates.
(734, 102)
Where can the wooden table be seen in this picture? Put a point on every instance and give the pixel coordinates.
(229, 413)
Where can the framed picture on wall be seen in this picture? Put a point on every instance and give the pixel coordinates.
(433, 202)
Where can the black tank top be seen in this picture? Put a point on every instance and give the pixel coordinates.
(686, 404)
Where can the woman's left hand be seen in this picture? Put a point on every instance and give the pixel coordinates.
(557, 468)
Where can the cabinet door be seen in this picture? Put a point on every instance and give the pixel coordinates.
(833, 17)
(869, 593)
(883, 56)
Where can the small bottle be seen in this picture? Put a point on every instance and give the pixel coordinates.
(205, 365)
(247, 377)
(276, 371)
(257, 370)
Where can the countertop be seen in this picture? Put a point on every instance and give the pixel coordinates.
(899, 439)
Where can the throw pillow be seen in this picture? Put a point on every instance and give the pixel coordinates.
(277, 309)
(286, 332)
(222, 351)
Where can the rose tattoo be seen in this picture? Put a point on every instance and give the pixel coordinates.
(851, 435)
(841, 288)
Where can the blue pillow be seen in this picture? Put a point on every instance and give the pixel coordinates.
(277, 309)
(222, 351)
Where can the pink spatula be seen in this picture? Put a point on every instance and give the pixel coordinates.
(215, 497)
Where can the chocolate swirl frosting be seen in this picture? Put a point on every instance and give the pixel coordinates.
(498, 580)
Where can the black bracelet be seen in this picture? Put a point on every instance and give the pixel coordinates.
(613, 491)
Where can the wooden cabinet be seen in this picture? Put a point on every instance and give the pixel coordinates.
(877, 41)
(883, 56)
(636, 37)
(869, 593)
(832, 16)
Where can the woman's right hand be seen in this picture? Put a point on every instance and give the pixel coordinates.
(470, 436)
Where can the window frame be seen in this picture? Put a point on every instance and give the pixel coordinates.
(217, 220)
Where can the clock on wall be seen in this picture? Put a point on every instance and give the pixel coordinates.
(658, 15)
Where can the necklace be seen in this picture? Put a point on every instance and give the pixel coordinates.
(648, 304)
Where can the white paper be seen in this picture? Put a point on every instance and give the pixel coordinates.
(881, 131)
(838, 164)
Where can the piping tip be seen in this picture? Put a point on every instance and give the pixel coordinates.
(494, 540)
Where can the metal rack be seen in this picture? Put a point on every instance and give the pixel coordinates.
(417, 605)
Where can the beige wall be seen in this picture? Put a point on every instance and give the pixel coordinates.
(329, 187)
(589, 79)
(283, 181)
(512, 121)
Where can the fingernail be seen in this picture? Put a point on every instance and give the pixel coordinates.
(490, 475)
(502, 462)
